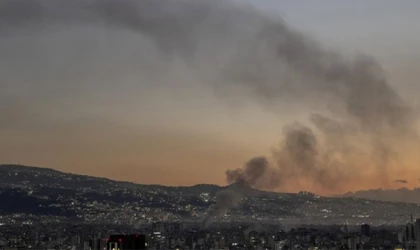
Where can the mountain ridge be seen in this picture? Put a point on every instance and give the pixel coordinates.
(34, 193)
(403, 194)
(202, 186)
(390, 195)
(45, 169)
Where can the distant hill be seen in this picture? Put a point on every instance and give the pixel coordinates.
(18, 175)
(28, 192)
(394, 195)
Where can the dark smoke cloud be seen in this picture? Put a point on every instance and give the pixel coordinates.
(250, 174)
(356, 118)
(184, 25)
(297, 158)
(401, 181)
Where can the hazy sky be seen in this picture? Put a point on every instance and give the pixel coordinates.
(79, 98)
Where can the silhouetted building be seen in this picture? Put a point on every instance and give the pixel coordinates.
(126, 242)
(417, 233)
(158, 227)
(174, 228)
(95, 244)
(409, 232)
(365, 230)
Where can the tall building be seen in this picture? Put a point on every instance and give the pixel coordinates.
(173, 228)
(158, 227)
(409, 236)
(365, 230)
(95, 244)
(126, 242)
(417, 233)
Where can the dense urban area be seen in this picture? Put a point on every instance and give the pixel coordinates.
(47, 209)
(161, 235)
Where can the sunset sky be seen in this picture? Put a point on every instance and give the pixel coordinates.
(83, 99)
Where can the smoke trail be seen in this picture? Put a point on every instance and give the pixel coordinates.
(230, 46)
(183, 25)
(225, 200)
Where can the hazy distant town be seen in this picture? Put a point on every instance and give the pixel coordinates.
(47, 209)
(31, 195)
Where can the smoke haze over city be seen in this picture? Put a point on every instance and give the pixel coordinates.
(186, 92)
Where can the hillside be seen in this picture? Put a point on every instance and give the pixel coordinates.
(394, 195)
(31, 193)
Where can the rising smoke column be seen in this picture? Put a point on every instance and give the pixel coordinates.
(225, 201)
(366, 108)
(230, 46)
(255, 173)
(297, 158)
